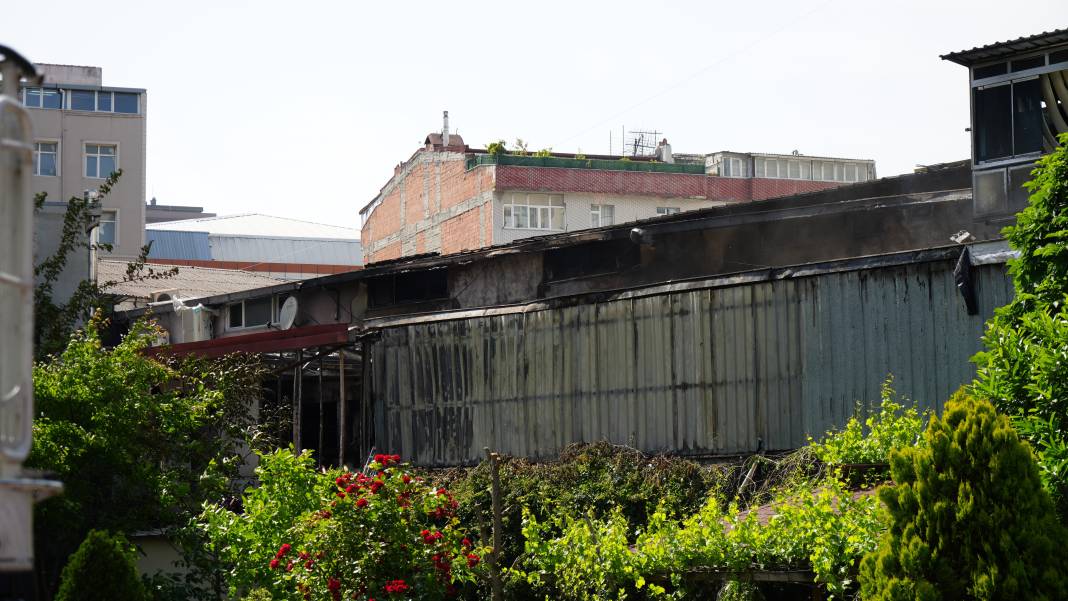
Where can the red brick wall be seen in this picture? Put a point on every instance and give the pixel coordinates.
(421, 185)
(641, 183)
(393, 251)
(460, 232)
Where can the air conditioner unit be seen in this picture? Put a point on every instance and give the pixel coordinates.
(194, 323)
(164, 295)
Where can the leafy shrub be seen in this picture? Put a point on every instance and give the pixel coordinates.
(544, 152)
(824, 527)
(892, 426)
(102, 569)
(330, 535)
(969, 518)
(496, 148)
(598, 478)
(1022, 370)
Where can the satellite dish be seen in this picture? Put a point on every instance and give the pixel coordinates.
(288, 313)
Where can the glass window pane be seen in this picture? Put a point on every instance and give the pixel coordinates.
(608, 214)
(236, 319)
(106, 233)
(103, 101)
(993, 123)
(82, 100)
(1027, 116)
(126, 102)
(772, 168)
(521, 217)
(107, 166)
(758, 167)
(595, 216)
(558, 218)
(107, 150)
(47, 163)
(33, 97)
(52, 99)
(794, 170)
(90, 166)
(508, 216)
(257, 312)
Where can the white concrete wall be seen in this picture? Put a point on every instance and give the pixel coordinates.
(577, 211)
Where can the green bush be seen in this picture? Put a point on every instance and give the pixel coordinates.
(969, 518)
(1023, 371)
(102, 569)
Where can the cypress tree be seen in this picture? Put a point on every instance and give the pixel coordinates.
(102, 569)
(969, 517)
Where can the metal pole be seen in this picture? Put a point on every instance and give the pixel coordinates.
(342, 420)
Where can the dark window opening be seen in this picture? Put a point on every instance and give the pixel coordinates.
(989, 71)
(408, 288)
(592, 258)
(1033, 62)
(1027, 116)
(1061, 56)
(236, 318)
(993, 122)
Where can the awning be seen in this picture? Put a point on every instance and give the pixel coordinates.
(272, 341)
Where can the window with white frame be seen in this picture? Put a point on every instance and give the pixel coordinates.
(733, 167)
(108, 230)
(42, 98)
(45, 158)
(668, 210)
(100, 160)
(524, 211)
(602, 215)
(250, 313)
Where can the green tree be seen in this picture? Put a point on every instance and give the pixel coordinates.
(969, 518)
(55, 319)
(102, 569)
(139, 443)
(1023, 371)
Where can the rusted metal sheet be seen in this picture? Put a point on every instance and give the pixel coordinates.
(722, 370)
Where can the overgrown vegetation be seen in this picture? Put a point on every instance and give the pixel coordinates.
(55, 319)
(969, 518)
(1023, 368)
(139, 443)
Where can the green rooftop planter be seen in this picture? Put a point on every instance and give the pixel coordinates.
(569, 163)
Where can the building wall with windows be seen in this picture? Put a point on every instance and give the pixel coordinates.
(448, 198)
(83, 130)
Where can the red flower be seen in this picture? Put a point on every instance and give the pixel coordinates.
(289, 566)
(375, 486)
(406, 478)
(283, 550)
(472, 560)
(361, 502)
(395, 458)
(350, 488)
(303, 555)
(442, 491)
(274, 564)
(466, 542)
(339, 481)
(341, 494)
(333, 584)
(396, 586)
(425, 533)
(308, 565)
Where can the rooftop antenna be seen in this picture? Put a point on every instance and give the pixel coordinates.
(641, 142)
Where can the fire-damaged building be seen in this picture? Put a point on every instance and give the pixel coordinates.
(725, 330)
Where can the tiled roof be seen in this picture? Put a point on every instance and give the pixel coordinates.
(190, 282)
(1007, 48)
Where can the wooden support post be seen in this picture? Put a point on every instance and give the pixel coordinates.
(319, 450)
(498, 528)
(342, 409)
(298, 372)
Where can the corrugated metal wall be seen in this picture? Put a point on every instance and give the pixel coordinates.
(169, 244)
(285, 250)
(697, 372)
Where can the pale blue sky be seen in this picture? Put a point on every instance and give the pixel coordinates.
(302, 109)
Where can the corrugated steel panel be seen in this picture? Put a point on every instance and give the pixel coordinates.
(285, 250)
(169, 244)
(707, 371)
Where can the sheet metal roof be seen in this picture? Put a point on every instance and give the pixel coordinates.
(167, 244)
(1007, 48)
(190, 282)
(259, 225)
